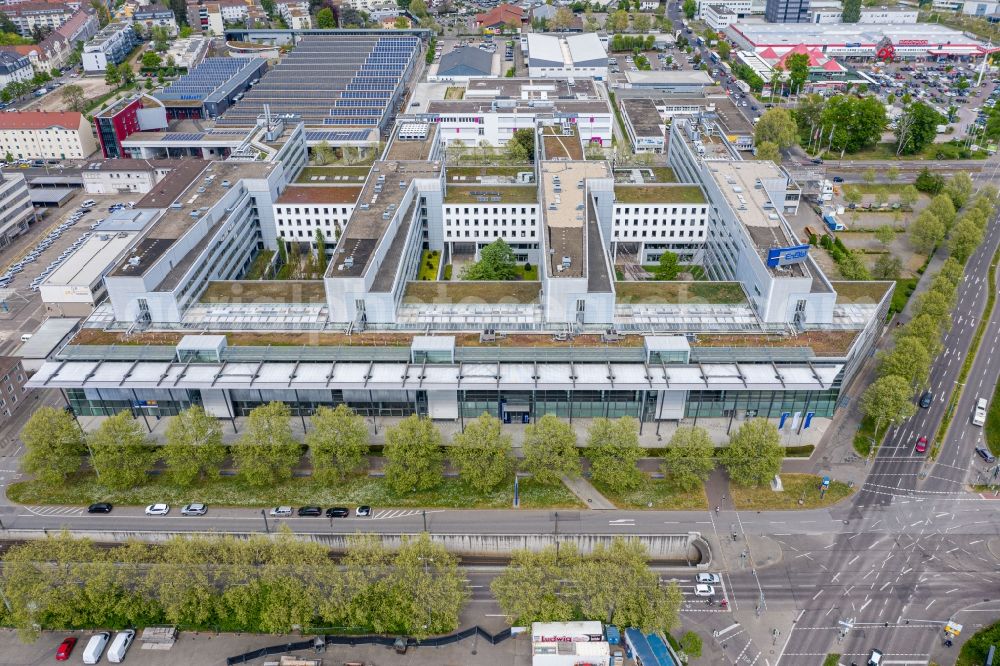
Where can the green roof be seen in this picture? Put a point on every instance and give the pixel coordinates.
(654, 292)
(490, 193)
(861, 292)
(515, 291)
(264, 291)
(684, 194)
(333, 175)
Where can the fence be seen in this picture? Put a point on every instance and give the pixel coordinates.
(387, 641)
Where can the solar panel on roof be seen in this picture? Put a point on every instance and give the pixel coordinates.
(184, 136)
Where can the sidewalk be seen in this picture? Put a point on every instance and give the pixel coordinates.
(588, 494)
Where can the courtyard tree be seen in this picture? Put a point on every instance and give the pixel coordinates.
(614, 452)
(193, 449)
(53, 445)
(909, 359)
(851, 12)
(669, 266)
(550, 450)
(888, 400)
(689, 458)
(267, 451)
(496, 262)
(754, 453)
(338, 443)
(483, 453)
(414, 460)
(120, 452)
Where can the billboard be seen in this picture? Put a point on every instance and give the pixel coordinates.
(783, 256)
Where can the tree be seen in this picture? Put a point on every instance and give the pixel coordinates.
(691, 644)
(521, 146)
(401, 23)
(929, 183)
(534, 587)
(959, 188)
(562, 19)
(54, 445)
(185, 31)
(768, 151)
(852, 195)
(887, 267)
(776, 126)
(855, 122)
(916, 128)
(888, 400)
(112, 76)
(952, 270)
(908, 196)
(550, 451)
(690, 7)
(320, 239)
(483, 453)
(926, 232)
(267, 451)
(338, 443)
(641, 23)
(869, 175)
(944, 209)
(723, 49)
(926, 329)
(127, 74)
(151, 60)
(496, 262)
(614, 451)
(892, 173)
(668, 267)
(325, 19)
(689, 458)
(754, 453)
(617, 21)
(414, 460)
(885, 235)
(797, 65)
(851, 12)
(160, 37)
(965, 238)
(323, 153)
(120, 452)
(909, 359)
(194, 446)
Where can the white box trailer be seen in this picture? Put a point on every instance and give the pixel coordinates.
(566, 632)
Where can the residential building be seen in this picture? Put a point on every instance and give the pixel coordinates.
(112, 45)
(12, 387)
(719, 17)
(16, 212)
(46, 135)
(787, 11)
(47, 55)
(187, 52)
(46, 16)
(552, 56)
(14, 67)
(144, 19)
(491, 110)
(990, 8)
(124, 117)
(295, 13)
(501, 18)
(81, 26)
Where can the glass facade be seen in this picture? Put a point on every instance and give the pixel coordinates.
(766, 404)
(564, 404)
(305, 403)
(108, 402)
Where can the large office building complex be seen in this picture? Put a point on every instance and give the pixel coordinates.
(787, 11)
(767, 334)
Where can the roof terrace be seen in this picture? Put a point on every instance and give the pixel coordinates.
(564, 212)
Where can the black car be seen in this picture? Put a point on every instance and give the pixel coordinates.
(100, 507)
(310, 511)
(983, 453)
(838, 179)
(926, 399)
(337, 512)
(818, 160)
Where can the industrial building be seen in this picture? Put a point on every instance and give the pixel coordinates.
(767, 335)
(210, 88)
(462, 64)
(562, 56)
(333, 82)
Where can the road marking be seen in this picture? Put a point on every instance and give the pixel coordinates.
(622, 522)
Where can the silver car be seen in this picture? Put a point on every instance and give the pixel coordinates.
(281, 511)
(196, 509)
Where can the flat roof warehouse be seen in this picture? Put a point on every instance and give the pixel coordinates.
(854, 38)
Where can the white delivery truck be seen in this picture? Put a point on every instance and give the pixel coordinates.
(95, 647)
(979, 413)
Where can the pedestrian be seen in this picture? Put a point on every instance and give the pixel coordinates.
(716, 510)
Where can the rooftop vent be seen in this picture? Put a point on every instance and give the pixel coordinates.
(567, 262)
(349, 262)
(225, 183)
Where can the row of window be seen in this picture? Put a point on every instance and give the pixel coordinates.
(655, 222)
(664, 208)
(659, 233)
(503, 233)
(314, 210)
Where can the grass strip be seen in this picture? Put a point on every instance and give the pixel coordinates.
(797, 487)
(658, 494)
(970, 357)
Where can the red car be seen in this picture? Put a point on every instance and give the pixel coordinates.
(921, 444)
(66, 649)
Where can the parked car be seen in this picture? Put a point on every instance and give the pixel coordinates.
(196, 509)
(338, 512)
(310, 511)
(281, 511)
(363, 511)
(99, 507)
(704, 591)
(709, 578)
(875, 658)
(95, 647)
(157, 510)
(65, 648)
(985, 454)
(119, 646)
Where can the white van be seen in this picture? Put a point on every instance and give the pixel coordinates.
(95, 647)
(119, 646)
(979, 413)
(25, 337)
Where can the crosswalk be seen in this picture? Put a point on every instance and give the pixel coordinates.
(55, 510)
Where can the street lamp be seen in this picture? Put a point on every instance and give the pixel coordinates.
(267, 529)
